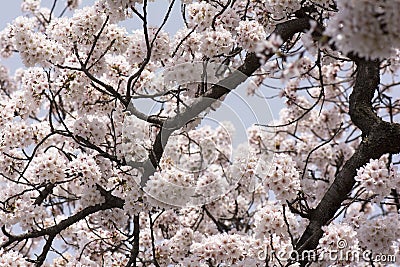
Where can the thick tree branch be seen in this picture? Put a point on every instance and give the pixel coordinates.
(361, 112)
(380, 137)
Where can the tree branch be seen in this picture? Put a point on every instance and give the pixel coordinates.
(110, 202)
(380, 138)
(135, 245)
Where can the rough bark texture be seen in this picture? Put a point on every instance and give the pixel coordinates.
(379, 138)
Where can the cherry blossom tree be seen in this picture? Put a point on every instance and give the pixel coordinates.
(90, 179)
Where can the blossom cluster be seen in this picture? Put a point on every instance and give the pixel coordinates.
(86, 175)
(157, 41)
(272, 220)
(201, 15)
(249, 34)
(230, 18)
(339, 239)
(90, 128)
(134, 133)
(48, 167)
(78, 34)
(21, 134)
(335, 233)
(19, 209)
(226, 249)
(35, 47)
(30, 5)
(283, 178)
(176, 248)
(216, 42)
(13, 258)
(367, 28)
(377, 178)
(379, 235)
(170, 186)
(281, 9)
